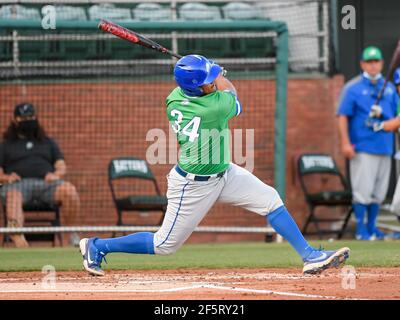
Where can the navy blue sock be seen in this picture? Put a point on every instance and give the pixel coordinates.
(373, 212)
(283, 223)
(141, 242)
(359, 212)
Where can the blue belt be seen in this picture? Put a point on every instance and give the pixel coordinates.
(198, 178)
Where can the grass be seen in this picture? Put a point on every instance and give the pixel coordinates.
(233, 255)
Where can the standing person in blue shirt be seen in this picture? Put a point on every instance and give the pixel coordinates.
(392, 125)
(369, 152)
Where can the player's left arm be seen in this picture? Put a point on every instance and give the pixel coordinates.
(223, 84)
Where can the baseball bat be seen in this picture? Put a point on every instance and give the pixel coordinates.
(394, 63)
(134, 37)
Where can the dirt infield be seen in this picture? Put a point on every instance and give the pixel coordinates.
(219, 284)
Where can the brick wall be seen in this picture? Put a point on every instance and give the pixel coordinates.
(311, 127)
(94, 122)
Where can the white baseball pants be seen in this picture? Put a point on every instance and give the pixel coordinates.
(189, 201)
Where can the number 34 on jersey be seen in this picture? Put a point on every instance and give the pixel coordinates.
(190, 129)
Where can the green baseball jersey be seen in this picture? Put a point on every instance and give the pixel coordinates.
(201, 127)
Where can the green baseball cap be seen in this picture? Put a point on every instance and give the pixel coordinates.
(371, 53)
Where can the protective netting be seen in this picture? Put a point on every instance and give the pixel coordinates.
(82, 53)
(308, 22)
(108, 101)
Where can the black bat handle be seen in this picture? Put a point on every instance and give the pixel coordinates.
(380, 94)
(174, 54)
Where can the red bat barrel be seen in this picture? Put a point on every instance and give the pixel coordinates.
(118, 31)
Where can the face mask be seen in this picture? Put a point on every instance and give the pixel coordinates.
(373, 78)
(28, 128)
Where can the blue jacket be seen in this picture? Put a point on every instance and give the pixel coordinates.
(356, 100)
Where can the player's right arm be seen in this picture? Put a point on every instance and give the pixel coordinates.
(346, 146)
(345, 110)
(229, 104)
(6, 178)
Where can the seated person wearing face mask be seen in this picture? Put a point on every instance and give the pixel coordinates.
(31, 169)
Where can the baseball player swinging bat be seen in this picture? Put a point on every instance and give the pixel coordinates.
(204, 101)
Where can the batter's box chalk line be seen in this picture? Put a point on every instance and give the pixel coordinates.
(178, 289)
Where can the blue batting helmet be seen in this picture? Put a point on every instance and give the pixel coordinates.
(193, 71)
(396, 77)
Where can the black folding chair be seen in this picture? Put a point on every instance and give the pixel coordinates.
(133, 168)
(324, 186)
(33, 218)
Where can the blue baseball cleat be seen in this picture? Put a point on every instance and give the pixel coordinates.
(92, 257)
(320, 260)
